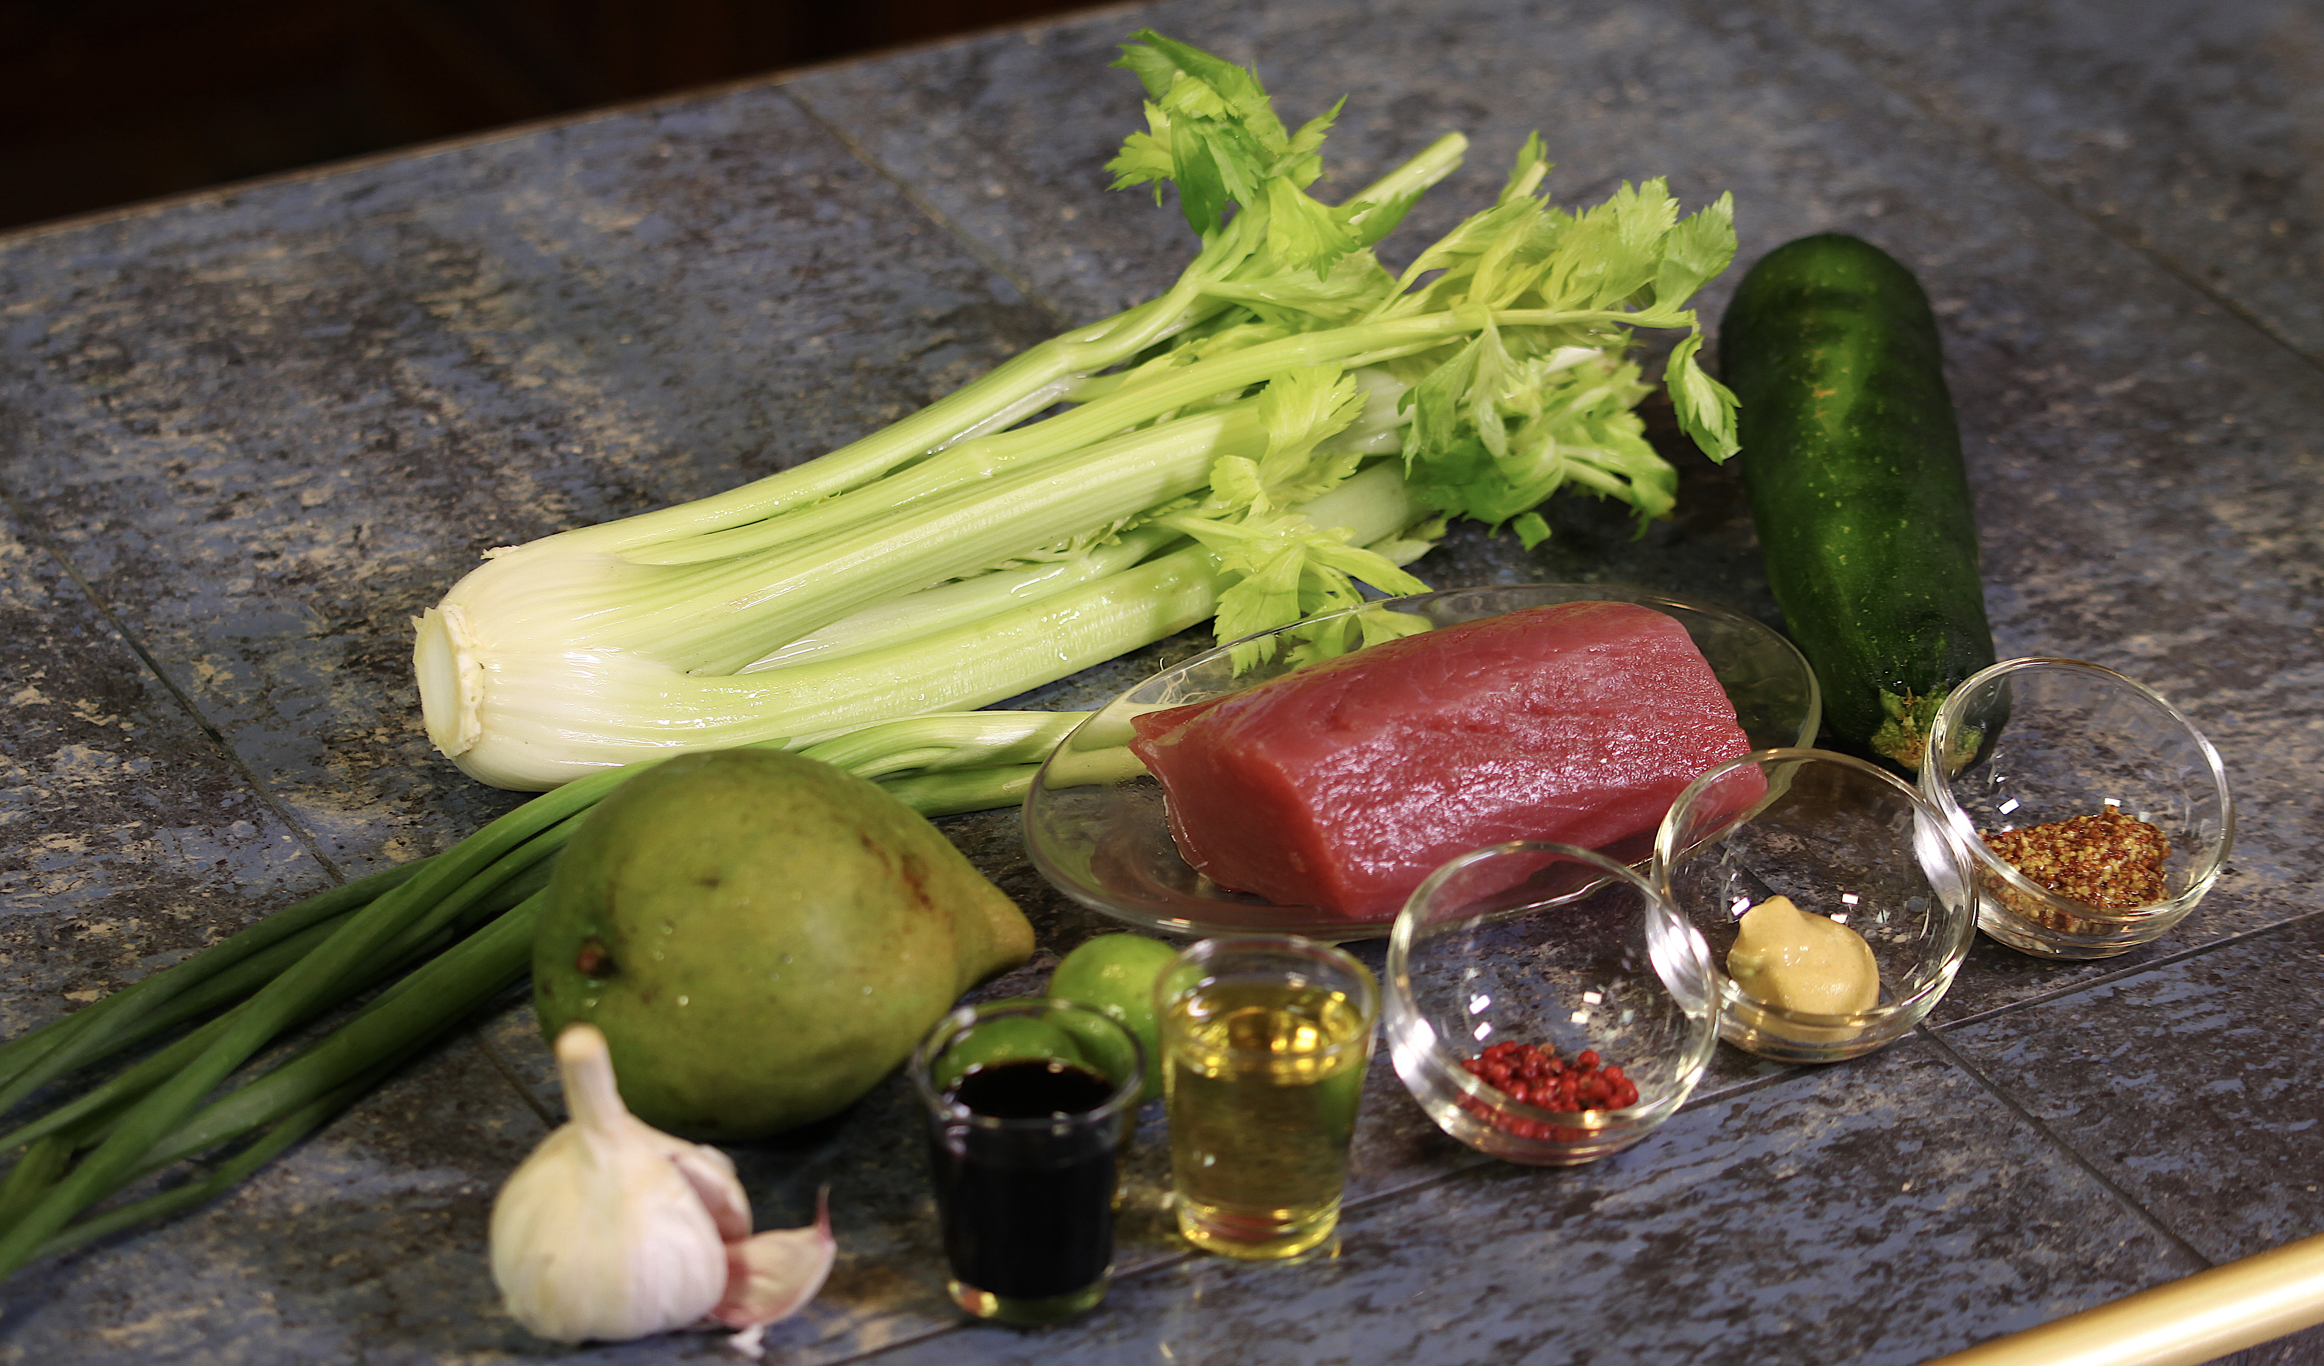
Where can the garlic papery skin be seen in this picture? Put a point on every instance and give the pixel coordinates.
(605, 1232)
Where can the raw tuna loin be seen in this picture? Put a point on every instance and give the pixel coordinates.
(1342, 786)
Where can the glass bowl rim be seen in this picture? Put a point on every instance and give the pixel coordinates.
(1936, 785)
(1323, 928)
(1397, 995)
(1964, 919)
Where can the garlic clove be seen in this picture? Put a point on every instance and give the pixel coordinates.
(773, 1275)
(711, 1173)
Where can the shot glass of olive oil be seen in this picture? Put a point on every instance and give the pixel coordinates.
(1265, 1041)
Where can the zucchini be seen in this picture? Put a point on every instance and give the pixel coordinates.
(1852, 462)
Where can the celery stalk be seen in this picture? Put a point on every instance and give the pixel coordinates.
(962, 666)
(916, 569)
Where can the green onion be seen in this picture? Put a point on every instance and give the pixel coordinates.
(446, 934)
(88, 1032)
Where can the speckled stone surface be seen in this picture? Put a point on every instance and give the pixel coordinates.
(244, 437)
(1714, 1240)
(2187, 131)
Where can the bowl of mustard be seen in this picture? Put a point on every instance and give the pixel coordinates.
(1836, 903)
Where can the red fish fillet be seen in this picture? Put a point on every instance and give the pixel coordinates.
(1342, 786)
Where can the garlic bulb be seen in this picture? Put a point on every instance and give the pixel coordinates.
(612, 1229)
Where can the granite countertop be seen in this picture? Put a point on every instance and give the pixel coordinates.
(245, 436)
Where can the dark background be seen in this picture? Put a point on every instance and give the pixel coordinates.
(107, 102)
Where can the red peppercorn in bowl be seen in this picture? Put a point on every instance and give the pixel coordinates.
(1545, 1004)
(2095, 813)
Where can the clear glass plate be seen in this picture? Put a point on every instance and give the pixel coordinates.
(1095, 823)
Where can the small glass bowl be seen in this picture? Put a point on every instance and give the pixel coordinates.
(1495, 946)
(1841, 838)
(1098, 829)
(2050, 739)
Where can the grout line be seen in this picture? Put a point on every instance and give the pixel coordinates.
(984, 254)
(895, 1344)
(1474, 1162)
(788, 86)
(1699, 1098)
(507, 1070)
(1468, 1163)
(1864, 58)
(2073, 1154)
(38, 531)
(2133, 970)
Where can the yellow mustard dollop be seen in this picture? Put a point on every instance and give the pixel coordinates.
(1785, 957)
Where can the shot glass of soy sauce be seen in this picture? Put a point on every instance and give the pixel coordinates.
(1029, 1105)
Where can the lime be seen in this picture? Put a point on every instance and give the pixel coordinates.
(1004, 1038)
(1103, 1049)
(1116, 973)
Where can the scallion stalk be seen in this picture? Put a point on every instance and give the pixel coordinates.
(92, 1030)
(452, 931)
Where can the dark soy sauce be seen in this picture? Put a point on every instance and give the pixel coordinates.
(1027, 1212)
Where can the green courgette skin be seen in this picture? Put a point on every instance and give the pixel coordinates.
(1852, 461)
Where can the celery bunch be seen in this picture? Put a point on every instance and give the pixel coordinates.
(1287, 422)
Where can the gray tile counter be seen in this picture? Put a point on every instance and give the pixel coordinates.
(244, 437)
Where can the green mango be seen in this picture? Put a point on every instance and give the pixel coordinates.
(762, 937)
